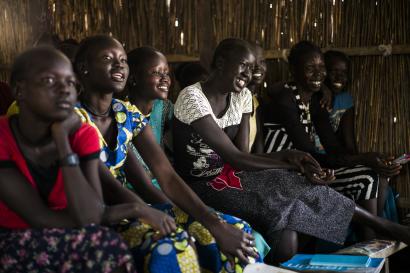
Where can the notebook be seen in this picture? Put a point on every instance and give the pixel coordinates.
(340, 260)
(301, 263)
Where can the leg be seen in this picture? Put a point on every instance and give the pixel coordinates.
(285, 248)
(381, 225)
(366, 233)
(381, 200)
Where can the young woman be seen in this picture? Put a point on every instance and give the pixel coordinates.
(255, 125)
(211, 126)
(148, 88)
(341, 115)
(101, 64)
(296, 108)
(49, 184)
(342, 118)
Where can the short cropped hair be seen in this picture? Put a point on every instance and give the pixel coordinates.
(301, 49)
(227, 47)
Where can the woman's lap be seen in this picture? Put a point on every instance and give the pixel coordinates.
(273, 200)
(89, 249)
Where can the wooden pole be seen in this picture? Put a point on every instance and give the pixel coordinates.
(206, 38)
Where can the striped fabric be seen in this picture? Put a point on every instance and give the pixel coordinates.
(276, 138)
(356, 183)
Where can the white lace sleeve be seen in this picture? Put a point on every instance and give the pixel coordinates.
(247, 101)
(191, 104)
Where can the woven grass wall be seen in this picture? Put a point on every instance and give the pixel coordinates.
(380, 84)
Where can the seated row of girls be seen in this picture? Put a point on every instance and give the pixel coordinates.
(296, 109)
(211, 153)
(148, 88)
(101, 64)
(136, 59)
(150, 253)
(117, 194)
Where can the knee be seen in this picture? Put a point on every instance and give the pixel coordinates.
(288, 245)
(285, 249)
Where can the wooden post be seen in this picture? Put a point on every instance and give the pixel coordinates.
(206, 38)
(39, 19)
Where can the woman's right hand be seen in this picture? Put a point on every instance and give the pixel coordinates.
(382, 164)
(67, 126)
(319, 176)
(159, 221)
(233, 242)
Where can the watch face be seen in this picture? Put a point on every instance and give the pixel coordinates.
(70, 160)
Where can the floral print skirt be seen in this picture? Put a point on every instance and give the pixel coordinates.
(89, 249)
(175, 253)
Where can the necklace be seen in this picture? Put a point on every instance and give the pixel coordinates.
(94, 113)
(304, 112)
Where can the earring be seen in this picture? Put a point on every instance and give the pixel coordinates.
(85, 72)
(134, 84)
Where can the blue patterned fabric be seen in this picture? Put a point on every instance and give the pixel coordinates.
(130, 122)
(160, 116)
(341, 103)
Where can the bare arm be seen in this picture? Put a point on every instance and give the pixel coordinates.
(241, 140)
(137, 176)
(347, 131)
(258, 144)
(23, 199)
(81, 184)
(173, 186)
(125, 204)
(224, 147)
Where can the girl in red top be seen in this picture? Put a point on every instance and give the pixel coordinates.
(50, 193)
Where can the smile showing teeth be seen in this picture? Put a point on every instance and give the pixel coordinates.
(317, 83)
(338, 84)
(241, 83)
(117, 76)
(163, 87)
(64, 104)
(257, 75)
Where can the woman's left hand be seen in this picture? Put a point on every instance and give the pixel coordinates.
(233, 242)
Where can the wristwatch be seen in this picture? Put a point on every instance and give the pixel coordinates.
(69, 160)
